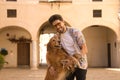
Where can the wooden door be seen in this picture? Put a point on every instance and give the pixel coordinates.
(109, 54)
(23, 57)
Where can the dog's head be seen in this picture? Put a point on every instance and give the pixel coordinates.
(54, 42)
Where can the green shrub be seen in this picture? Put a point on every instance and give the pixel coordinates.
(2, 61)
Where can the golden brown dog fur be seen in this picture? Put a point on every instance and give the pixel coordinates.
(59, 59)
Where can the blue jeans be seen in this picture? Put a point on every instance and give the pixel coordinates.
(80, 74)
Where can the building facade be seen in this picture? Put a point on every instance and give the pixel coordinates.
(25, 31)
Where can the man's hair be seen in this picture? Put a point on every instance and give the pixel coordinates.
(55, 17)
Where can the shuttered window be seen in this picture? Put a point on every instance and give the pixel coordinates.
(97, 0)
(97, 13)
(11, 0)
(11, 13)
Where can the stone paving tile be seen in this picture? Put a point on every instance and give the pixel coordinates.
(103, 74)
(28, 74)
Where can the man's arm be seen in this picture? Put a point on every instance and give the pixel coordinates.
(84, 49)
(81, 41)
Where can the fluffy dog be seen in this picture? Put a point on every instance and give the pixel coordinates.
(59, 59)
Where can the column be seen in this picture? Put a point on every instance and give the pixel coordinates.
(34, 58)
(118, 53)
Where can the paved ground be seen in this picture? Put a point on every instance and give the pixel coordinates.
(27, 74)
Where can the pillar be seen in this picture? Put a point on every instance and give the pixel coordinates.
(34, 58)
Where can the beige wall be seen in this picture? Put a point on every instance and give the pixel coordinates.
(31, 15)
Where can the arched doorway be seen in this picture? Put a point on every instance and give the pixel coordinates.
(101, 42)
(45, 33)
(17, 41)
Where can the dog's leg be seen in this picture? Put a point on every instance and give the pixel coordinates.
(62, 75)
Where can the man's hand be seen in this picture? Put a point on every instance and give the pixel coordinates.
(68, 64)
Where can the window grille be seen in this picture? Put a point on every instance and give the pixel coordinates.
(97, 13)
(11, 0)
(97, 0)
(11, 13)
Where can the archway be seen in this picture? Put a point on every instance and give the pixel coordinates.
(45, 33)
(101, 42)
(16, 41)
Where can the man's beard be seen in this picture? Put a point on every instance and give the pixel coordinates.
(60, 30)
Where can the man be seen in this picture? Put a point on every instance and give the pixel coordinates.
(72, 40)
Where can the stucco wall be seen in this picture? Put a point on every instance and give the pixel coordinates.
(31, 15)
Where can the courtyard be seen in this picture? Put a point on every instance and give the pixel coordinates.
(28, 74)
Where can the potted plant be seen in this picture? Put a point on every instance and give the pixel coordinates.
(1, 61)
(3, 53)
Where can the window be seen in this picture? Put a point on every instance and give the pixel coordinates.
(11, 0)
(62, 1)
(97, 13)
(97, 0)
(11, 13)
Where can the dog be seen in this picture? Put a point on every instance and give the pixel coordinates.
(58, 58)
